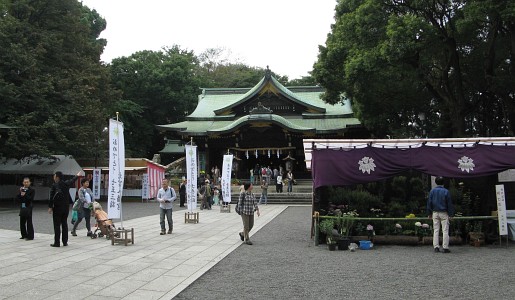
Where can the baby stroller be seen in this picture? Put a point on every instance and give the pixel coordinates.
(104, 225)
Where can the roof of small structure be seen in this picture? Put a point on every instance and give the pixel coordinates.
(215, 113)
(40, 165)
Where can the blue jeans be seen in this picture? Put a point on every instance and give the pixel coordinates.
(168, 213)
(290, 186)
(264, 196)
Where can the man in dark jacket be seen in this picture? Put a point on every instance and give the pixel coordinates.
(440, 209)
(25, 198)
(182, 193)
(59, 206)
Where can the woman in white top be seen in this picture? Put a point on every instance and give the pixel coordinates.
(86, 196)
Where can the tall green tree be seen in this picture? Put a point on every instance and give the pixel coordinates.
(53, 87)
(449, 61)
(159, 87)
(218, 69)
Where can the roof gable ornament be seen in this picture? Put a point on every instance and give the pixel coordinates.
(260, 109)
(268, 73)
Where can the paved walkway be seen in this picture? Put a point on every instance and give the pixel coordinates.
(155, 267)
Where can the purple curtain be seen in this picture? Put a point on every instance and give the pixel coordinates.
(354, 166)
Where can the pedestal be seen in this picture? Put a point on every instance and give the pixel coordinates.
(122, 236)
(225, 208)
(191, 217)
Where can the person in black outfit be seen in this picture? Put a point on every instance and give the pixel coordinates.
(59, 206)
(25, 198)
(182, 193)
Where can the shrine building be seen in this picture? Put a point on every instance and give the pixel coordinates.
(262, 125)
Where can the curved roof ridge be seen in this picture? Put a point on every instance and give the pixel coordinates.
(281, 88)
(260, 118)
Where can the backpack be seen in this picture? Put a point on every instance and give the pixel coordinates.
(208, 191)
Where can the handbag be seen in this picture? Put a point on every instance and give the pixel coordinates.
(75, 216)
(77, 205)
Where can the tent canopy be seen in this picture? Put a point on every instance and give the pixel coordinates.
(40, 166)
(348, 162)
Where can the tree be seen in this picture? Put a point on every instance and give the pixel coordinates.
(450, 61)
(159, 87)
(218, 69)
(52, 84)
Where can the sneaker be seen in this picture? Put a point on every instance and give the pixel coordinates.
(437, 249)
(89, 233)
(163, 232)
(65, 244)
(241, 236)
(170, 231)
(248, 242)
(74, 233)
(446, 251)
(54, 245)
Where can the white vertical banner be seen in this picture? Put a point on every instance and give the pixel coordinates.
(191, 173)
(96, 183)
(116, 169)
(501, 209)
(145, 189)
(226, 177)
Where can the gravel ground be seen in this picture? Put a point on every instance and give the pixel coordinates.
(9, 218)
(283, 263)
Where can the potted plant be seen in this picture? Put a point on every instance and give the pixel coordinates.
(476, 235)
(327, 227)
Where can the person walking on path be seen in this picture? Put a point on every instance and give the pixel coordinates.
(290, 181)
(59, 206)
(182, 193)
(25, 198)
(86, 197)
(440, 209)
(264, 192)
(166, 196)
(248, 207)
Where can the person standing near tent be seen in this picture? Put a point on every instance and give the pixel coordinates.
(440, 209)
(86, 197)
(166, 196)
(59, 206)
(25, 198)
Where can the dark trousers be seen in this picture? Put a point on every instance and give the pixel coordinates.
(26, 227)
(84, 214)
(182, 199)
(60, 218)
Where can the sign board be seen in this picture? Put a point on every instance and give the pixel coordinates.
(96, 184)
(501, 209)
(145, 188)
(507, 176)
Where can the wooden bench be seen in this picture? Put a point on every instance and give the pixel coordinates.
(191, 217)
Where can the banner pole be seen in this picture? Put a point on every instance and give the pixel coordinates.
(121, 203)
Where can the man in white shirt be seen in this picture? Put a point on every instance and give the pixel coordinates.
(165, 196)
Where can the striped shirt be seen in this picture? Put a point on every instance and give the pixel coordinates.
(248, 203)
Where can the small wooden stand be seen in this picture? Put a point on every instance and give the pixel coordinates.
(225, 208)
(122, 236)
(191, 217)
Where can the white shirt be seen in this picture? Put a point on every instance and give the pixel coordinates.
(163, 195)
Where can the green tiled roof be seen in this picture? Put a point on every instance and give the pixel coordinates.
(213, 113)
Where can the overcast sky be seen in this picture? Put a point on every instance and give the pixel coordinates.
(283, 34)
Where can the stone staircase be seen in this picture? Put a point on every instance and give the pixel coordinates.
(302, 193)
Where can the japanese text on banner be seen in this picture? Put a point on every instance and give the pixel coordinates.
(116, 169)
(191, 173)
(226, 177)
